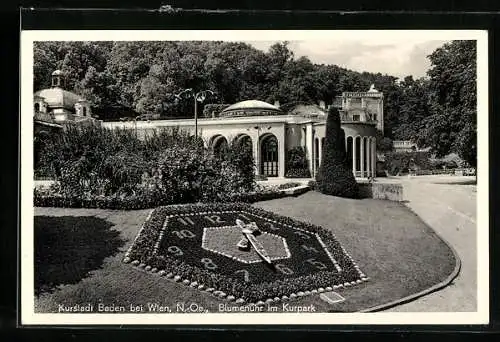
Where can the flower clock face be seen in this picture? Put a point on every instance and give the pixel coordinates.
(242, 253)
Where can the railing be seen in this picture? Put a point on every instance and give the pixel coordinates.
(452, 172)
(46, 117)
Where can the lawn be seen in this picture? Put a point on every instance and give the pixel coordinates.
(394, 248)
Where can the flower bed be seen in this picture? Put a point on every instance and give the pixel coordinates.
(49, 198)
(183, 243)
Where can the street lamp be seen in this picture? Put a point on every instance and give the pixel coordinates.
(198, 97)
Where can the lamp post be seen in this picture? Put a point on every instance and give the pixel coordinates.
(198, 97)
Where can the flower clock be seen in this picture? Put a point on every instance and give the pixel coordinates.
(242, 253)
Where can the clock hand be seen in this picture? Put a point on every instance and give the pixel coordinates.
(248, 230)
(259, 248)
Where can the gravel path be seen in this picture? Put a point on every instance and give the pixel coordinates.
(450, 209)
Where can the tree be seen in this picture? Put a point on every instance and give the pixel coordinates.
(335, 176)
(384, 144)
(451, 125)
(413, 108)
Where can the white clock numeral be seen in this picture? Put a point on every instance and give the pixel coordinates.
(209, 264)
(186, 221)
(284, 269)
(309, 248)
(175, 250)
(184, 234)
(246, 275)
(271, 226)
(319, 265)
(302, 235)
(214, 219)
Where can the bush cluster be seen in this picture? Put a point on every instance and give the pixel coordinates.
(402, 162)
(297, 165)
(98, 167)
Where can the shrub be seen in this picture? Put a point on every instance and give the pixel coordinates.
(297, 165)
(99, 167)
(335, 177)
(288, 185)
(123, 171)
(240, 167)
(186, 174)
(402, 162)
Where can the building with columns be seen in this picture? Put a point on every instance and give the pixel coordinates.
(271, 132)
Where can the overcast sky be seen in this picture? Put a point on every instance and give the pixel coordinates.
(396, 58)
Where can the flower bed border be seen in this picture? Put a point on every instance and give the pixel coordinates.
(138, 203)
(143, 254)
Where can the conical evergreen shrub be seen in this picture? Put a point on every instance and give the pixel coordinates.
(335, 176)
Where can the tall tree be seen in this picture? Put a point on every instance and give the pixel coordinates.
(335, 176)
(452, 124)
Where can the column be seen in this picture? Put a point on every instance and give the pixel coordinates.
(354, 156)
(374, 157)
(309, 140)
(368, 157)
(281, 136)
(362, 158)
(320, 150)
(256, 152)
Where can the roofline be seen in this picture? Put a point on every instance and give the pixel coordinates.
(292, 119)
(45, 123)
(252, 108)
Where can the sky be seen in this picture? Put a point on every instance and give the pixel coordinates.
(396, 58)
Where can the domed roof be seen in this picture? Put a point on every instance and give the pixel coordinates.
(251, 104)
(59, 98)
(57, 73)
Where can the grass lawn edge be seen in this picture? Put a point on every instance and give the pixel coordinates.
(434, 288)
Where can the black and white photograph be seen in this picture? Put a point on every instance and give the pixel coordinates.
(254, 177)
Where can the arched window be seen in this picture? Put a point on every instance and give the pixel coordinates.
(84, 111)
(269, 156)
(37, 107)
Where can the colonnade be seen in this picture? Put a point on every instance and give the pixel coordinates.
(361, 154)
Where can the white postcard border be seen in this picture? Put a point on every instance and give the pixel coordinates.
(29, 317)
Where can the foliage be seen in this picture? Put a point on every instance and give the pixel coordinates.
(335, 176)
(144, 77)
(123, 78)
(214, 108)
(451, 126)
(240, 167)
(297, 165)
(384, 144)
(288, 185)
(101, 166)
(402, 162)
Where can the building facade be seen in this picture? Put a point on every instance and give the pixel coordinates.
(56, 107)
(271, 132)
